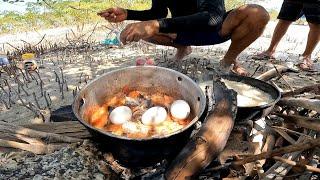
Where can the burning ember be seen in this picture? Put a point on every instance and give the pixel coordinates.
(137, 114)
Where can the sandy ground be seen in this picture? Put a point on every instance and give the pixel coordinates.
(81, 66)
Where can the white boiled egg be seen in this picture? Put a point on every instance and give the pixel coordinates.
(120, 115)
(154, 116)
(180, 109)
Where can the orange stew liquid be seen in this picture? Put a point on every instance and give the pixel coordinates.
(98, 116)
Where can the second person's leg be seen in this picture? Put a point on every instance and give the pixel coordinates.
(279, 32)
(312, 12)
(290, 12)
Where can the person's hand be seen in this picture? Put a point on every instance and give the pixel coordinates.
(138, 31)
(114, 15)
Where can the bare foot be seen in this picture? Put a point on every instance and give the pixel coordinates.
(226, 67)
(307, 64)
(182, 52)
(265, 55)
(240, 70)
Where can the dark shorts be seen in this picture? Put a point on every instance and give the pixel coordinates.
(202, 38)
(292, 10)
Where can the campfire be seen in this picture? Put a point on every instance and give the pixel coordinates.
(142, 113)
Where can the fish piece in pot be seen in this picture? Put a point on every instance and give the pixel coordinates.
(97, 116)
(137, 114)
(131, 102)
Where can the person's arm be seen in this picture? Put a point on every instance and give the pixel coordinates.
(157, 11)
(210, 15)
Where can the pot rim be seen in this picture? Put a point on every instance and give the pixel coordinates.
(194, 120)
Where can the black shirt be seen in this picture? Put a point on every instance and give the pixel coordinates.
(187, 15)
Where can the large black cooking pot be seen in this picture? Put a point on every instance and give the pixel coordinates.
(141, 152)
(256, 112)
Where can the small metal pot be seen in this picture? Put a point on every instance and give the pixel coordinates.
(256, 112)
(141, 152)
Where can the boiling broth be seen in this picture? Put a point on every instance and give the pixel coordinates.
(138, 102)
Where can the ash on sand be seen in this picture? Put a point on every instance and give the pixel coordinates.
(76, 161)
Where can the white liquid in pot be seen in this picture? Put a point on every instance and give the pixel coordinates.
(248, 96)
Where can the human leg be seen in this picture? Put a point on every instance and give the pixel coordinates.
(280, 30)
(245, 25)
(290, 12)
(312, 12)
(169, 40)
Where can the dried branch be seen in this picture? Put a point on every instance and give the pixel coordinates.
(306, 122)
(5, 103)
(25, 42)
(293, 163)
(311, 104)
(280, 75)
(285, 135)
(312, 88)
(32, 77)
(281, 168)
(8, 84)
(291, 131)
(27, 106)
(41, 88)
(94, 29)
(25, 77)
(36, 100)
(57, 77)
(61, 84)
(309, 144)
(8, 95)
(275, 72)
(255, 71)
(34, 148)
(40, 40)
(47, 101)
(14, 47)
(48, 137)
(20, 85)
